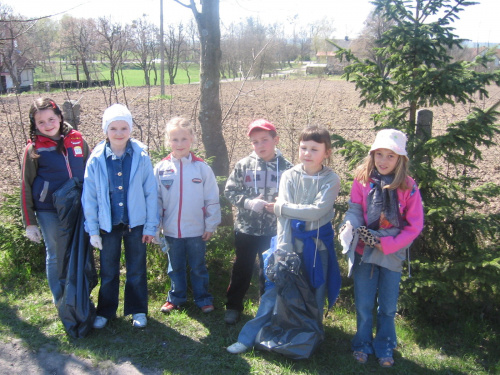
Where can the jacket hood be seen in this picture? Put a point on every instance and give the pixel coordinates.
(300, 170)
(254, 155)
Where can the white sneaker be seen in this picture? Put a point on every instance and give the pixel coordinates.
(237, 348)
(139, 320)
(100, 322)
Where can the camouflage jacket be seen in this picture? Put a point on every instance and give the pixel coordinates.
(253, 177)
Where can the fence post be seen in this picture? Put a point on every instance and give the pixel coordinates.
(424, 125)
(71, 113)
(424, 128)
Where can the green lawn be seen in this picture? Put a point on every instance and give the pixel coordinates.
(190, 342)
(132, 75)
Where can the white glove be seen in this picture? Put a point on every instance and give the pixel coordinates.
(255, 204)
(33, 233)
(345, 236)
(96, 241)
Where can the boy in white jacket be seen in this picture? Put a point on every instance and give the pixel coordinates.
(188, 198)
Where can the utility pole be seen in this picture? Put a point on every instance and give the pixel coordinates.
(162, 52)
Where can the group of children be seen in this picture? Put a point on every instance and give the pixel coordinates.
(177, 204)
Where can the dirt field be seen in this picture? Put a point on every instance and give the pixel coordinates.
(289, 104)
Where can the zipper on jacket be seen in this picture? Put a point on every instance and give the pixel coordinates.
(65, 153)
(180, 201)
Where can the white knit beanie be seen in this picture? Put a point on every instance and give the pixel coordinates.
(390, 139)
(116, 112)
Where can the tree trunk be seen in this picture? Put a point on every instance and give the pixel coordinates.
(86, 71)
(210, 115)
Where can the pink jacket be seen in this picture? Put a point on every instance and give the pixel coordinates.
(410, 207)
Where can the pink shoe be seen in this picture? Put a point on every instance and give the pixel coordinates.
(207, 309)
(168, 307)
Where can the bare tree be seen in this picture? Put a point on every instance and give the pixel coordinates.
(112, 44)
(210, 115)
(191, 51)
(44, 40)
(319, 32)
(231, 57)
(173, 46)
(78, 38)
(15, 51)
(144, 45)
(365, 46)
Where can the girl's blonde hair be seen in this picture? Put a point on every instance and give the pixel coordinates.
(179, 123)
(401, 170)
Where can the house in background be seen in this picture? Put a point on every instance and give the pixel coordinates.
(25, 76)
(332, 64)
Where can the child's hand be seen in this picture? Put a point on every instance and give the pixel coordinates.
(345, 236)
(147, 238)
(368, 238)
(96, 241)
(206, 236)
(33, 233)
(269, 208)
(256, 204)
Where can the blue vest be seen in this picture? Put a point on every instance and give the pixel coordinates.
(54, 168)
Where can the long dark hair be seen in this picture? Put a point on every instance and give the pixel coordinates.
(41, 104)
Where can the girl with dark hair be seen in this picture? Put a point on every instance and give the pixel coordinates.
(54, 154)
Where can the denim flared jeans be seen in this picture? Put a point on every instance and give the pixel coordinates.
(136, 289)
(183, 251)
(373, 283)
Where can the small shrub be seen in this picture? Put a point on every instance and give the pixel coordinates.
(19, 257)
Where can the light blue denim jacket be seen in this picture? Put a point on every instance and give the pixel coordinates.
(142, 194)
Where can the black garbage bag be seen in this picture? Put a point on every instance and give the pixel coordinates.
(295, 329)
(79, 276)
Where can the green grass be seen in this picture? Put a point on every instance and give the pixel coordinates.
(190, 342)
(132, 75)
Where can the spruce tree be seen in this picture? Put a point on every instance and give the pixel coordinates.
(458, 253)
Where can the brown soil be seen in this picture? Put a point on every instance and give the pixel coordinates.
(289, 104)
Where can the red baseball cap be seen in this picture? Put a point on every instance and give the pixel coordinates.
(260, 124)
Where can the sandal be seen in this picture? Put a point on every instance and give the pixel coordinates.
(386, 362)
(360, 357)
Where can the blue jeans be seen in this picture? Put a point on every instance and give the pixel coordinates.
(192, 250)
(136, 289)
(249, 331)
(370, 280)
(55, 250)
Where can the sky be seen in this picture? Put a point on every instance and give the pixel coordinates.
(478, 23)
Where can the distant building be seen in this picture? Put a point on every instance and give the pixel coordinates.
(333, 64)
(25, 76)
(323, 57)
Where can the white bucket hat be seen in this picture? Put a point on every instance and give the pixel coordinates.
(390, 139)
(116, 112)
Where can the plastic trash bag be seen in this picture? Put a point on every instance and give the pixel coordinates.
(295, 329)
(79, 276)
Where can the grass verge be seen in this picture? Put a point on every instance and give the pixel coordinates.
(190, 342)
